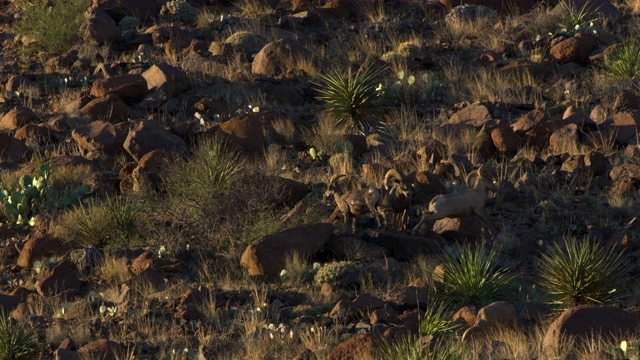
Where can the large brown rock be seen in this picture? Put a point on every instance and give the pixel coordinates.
(584, 322)
(11, 149)
(37, 247)
(8, 303)
(61, 279)
(459, 229)
(626, 100)
(245, 133)
(109, 108)
(149, 135)
(506, 140)
(576, 49)
(358, 347)
(118, 9)
(102, 349)
(499, 314)
(535, 128)
(476, 114)
(17, 117)
(99, 135)
(625, 125)
(405, 247)
(278, 57)
(167, 78)
(100, 28)
(564, 139)
(131, 88)
(346, 310)
(267, 255)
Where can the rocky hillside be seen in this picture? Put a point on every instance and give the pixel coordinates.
(311, 179)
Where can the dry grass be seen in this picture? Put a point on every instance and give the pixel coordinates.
(114, 270)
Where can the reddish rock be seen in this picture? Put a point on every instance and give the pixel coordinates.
(535, 127)
(102, 349)
(61, 279)
(468, 314)
(118, 9)
(576, 115)
(100, 28)
(596, 162)
(358, 347)
(99, 135)
(277, 58)
(564, 139)
(346, 310)
(17, 117)
(267, 255)
(142, 262)
(576, 49)
(506, 141)
(626, 100)
(19, 83)
(573, 164)
(531, 313)
(148, 135)
(151, 168)
(496, 314)
(11, 149)
(245, 132)
(109, 108)
(459, 229)
(167, 78)
(131, 88)
(37, 247)
(36, 134)
(405, 247)
(585, 321)
(476, 114)
(625, 124)
(409, 297)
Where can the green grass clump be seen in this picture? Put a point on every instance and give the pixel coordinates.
(53, 24)
(437, 319)
(624, 61)
(114, 223)
(473, 277)
(582, 272)
(351, 100)
(407, 348)
(18, 340)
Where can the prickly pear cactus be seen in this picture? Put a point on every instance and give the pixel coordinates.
(335, 271)
(179, 10)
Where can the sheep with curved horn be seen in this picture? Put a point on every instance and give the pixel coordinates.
(467, 202)
(355, 202)
(396, 200)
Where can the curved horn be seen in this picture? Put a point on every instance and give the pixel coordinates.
(335, 177)
(392, 173)
(470, 176)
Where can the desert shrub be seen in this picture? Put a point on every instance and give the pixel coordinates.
(473, 277)
(112, 223)
(18, 340)
(573, 16)
(623, 61)
(333, 271)
(53, 24)
(179, 10)
(437, 319)
(582, 272)
(352, 100)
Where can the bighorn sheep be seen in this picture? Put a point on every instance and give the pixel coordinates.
(355, 202)
(396, 200)
(467, 202)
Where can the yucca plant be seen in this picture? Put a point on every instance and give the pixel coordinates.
(437, 319)
(623, 61)
(473, 277)
(18, 340)
(351, 100)
(582, 272)
(406, 348)
(573, 16)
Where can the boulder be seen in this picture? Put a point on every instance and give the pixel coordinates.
(38, 247)
(131, 88)
(167, 78)
(564, 139)
(268, 255)
(358, 347)
(8, 303)
(245, 133)
(102, 349)
(11, 149)
(279, 57)
(476, 114)
(459, 229)
(346, 310)
(109, 108)
(506, 140)
(149, 135)
(405, 247)
(100, 28)
(17, 117)
(143, 9)
(625, 125)
(99, 135)
(575, 49)
(584, 322)
(535, 128)
(61, 279)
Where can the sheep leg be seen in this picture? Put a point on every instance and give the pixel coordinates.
(421, 226)
(374, 213)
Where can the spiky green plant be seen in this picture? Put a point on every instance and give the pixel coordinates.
(623, 62)
(351, 100)
(582, 272)
(18, 340)
(406, 348)
(473, 277)
(573, 15)
(437, 319)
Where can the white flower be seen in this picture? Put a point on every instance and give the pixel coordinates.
(283, 272)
